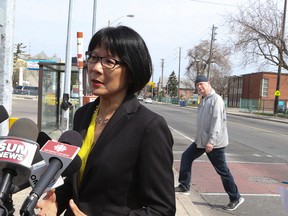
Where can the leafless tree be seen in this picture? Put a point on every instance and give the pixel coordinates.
(220, 67)
(18, 62)
(256, 33)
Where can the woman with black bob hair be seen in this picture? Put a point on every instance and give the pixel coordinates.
(131, 49)
(127, 149)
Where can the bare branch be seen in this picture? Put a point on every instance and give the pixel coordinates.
(256, 33)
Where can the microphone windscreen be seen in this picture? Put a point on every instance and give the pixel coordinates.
(24, 128)
(73, 167)
(71, 137)
(3, 114)
(42, 138)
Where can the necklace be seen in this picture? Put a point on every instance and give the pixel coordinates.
(101, 121)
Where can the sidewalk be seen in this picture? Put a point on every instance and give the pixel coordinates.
(235, 111)
(184, 206)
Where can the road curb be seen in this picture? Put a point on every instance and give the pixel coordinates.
(184, 206)
(255, 116)
(30, 97)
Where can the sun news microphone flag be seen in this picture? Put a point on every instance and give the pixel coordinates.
(17, 150)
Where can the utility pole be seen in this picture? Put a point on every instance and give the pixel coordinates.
(162, 69)
(152, 89)
(211, 47)
(179, 74)
(280, 57)
(7, 20)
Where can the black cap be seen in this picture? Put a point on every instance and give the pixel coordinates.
(201, 78)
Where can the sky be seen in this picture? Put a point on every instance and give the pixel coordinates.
(166, 26)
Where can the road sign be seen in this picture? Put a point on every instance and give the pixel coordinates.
(277, 93)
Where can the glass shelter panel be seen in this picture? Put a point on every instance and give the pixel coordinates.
(51, 85)
(50, 101)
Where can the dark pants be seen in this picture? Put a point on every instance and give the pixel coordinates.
(218, 160)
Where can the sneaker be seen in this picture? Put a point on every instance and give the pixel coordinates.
(233, 205)
(181, 190)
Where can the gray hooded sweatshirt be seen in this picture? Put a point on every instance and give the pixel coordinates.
(212, 122)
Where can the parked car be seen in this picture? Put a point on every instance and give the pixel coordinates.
(26, 90)
(148, 100)
(140, 98)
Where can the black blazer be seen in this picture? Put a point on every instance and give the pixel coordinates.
(129, 170)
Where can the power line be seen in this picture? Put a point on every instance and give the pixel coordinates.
(171, 57)
(215, 3)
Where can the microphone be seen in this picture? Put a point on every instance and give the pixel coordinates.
(24, 128)
(3, 114)
(57, 155)
(42, 138)
(39, 166)
(38, 170)
(16, 154)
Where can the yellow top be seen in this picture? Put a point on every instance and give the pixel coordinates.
(88, 144)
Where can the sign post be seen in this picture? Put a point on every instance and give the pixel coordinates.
(80, 64)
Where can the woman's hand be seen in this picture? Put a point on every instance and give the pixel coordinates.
(47, 206)
(75, 209)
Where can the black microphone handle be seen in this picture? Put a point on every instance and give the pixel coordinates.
(3, 210)
(6, 184)
(29, 204)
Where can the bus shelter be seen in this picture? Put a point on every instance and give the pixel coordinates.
(50, 93)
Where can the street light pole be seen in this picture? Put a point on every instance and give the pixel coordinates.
(94, 17)
(129, 15)
(162, 70)
(179, 74)
(67, 82)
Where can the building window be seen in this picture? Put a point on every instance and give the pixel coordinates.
(264, 88)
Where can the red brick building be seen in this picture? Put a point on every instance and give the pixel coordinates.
(257, 87)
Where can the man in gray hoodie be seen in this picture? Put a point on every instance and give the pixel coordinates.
(212, 138)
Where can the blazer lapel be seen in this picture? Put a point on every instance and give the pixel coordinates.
(116, 123)
(82, 129)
